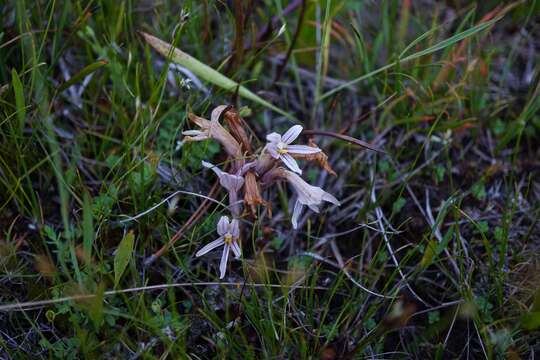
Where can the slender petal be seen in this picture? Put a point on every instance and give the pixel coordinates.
(291, 134)
(223, 262)
(289, 161)
(298, 207)
(308, 195)
(302, 149)
(210, 246)
(230, 182)
(192, 132)
(213, 167)
(234, 228)
(236, 249)
(246, 167)
(223, 225)
(273, 137)
(330, 198)
(272, 150)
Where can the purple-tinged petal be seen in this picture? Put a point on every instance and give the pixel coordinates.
(223, 262)
(231, 182)
(212, 167)
(246, 167)
(210, 246)
(330, 198)
(289, 161)
(223, 225)
(234, 228)
(292, 134)
(236, 249)
(273, 137)
(272, 149)
(302, 149)
(298, 207)
(315, 208)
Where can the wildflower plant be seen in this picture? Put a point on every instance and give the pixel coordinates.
(252, 171)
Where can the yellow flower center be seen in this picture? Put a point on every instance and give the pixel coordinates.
(282, 148)
(228, 238)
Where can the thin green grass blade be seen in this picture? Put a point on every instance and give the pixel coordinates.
(208, 74)
(430, 50)
(88, 228)
(19, 99)
(82, 74)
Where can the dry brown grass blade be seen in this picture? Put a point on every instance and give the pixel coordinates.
(347, 138)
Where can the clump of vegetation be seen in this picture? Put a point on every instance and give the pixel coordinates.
(112, 180)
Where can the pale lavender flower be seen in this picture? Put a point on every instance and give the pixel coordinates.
(308, 195)
(279, 147)
(229, 234)
(233, 183)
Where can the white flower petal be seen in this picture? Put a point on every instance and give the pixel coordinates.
(330, 198)
(223, 262)
(272, 149)
(289, 161)
(246, 167)
(210, 246)
(234, 228)
(307, 194)
(192, 132)
(302, 149)
(273, 137)
(223, 225)
(213, 167)
(236, 249)
(231, 182)
(195, 135)
(228, 181)
(206, 164)
(291, 134)
(298, 207)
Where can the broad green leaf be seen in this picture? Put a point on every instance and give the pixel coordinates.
(207, 73)
(19, 98)
(123, 255)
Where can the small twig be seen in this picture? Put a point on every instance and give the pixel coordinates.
(147, 211)
(265, 31)
(341, 266)
(187, 225)
(380, 216)
(347, 138)
(283, 64)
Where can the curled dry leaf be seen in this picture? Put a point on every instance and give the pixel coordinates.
(236, 125)
(214, 130)
(252, 193)
(320, 157)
